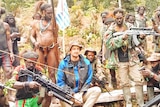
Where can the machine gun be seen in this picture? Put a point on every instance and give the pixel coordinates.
(58, 92)
(134, 32)
(152, 101)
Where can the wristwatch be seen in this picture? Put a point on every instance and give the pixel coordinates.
(151, 74)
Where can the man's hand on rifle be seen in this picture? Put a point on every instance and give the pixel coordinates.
(33, 84)
(146, 73)
(125, 36)
(142, 35)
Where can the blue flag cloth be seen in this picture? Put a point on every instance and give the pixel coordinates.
(62, 15)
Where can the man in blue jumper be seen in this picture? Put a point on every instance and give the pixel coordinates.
(75, 74)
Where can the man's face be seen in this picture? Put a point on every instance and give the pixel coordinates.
(30, 65)
(75, 51)
(119, 18)
(11, 20)
(90, 56)
(131, 19)
(48, 13)
(37, 17)
(141, 10)
(154, 63)
(104, 17)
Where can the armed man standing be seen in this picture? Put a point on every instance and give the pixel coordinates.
(125, 59)
(79, 81)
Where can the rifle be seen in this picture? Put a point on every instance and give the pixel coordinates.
(152, 101)
(58, 92)
(134, 32)
(101, 83)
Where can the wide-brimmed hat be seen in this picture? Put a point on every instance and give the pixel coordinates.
(75, 43)
(90, 50)
(154, 57)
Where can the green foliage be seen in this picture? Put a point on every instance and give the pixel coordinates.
(14, 5)
(70, 31)
(129, 5)
(70, 3)
(151, 6)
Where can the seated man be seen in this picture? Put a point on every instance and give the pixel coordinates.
(152, 76)
(98, 73)
(78, 77)
(27, 89)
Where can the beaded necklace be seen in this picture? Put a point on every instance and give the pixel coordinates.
(42, 27)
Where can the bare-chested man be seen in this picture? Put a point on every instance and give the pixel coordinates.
(15, 37)
(6, 51)
(44, 37)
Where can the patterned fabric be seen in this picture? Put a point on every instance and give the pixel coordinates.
(62, 15)
(141, 22)
(113, 43)
(97, 68)
(30, 102)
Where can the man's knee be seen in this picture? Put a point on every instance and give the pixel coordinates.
(8, 72)
(96, 90)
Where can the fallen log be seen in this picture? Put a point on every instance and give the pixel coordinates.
(117, 95)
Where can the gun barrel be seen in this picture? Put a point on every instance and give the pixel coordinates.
(152, 101)
(138, 31)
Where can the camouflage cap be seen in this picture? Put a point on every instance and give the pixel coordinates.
(30, 55)
(154, 57)
(75, 43)
(90, 50)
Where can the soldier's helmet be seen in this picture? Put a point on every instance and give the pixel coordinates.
(90, 50)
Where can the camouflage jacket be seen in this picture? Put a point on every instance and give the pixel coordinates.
(97, 68)
(151, 82)
(113, 43)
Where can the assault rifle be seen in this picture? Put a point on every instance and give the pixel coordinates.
(134, 32)
(58, 92)
(153, 101)
(101, 83)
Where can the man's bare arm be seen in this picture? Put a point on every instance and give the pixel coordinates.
(9, 42)
(33, 33)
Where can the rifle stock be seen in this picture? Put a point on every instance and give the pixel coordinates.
(58, 92)
(2, 86)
